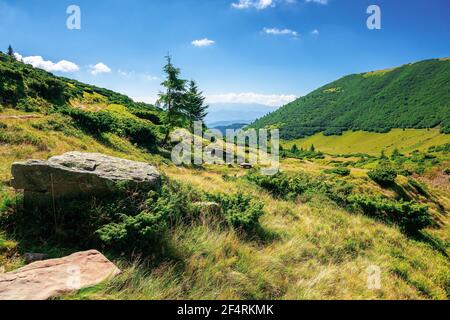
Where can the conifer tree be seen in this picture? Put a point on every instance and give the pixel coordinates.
(195, 108)
(10, 52)
(172, 100)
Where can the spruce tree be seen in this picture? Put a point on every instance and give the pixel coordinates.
(10, 52)
(172, 100)
(195, 108)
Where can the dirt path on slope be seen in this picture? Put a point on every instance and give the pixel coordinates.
(20, 117)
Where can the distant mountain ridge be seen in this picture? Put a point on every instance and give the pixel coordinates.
(233, 126)
(230, 113)
(415, 95)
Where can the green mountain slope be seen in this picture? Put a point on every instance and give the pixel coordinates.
(411, 96)
(95, 110)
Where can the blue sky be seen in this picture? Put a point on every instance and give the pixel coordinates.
(265, 51)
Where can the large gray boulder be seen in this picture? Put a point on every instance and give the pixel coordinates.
(79, 175)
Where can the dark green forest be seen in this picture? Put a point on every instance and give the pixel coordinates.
(411, 96)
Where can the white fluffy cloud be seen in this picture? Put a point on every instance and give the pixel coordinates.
(281, 32)
(47, 65)
(315, 32)
(258, 4)
(318, 1)
(261, 4)
(203, 43)
(99, 68)
(274, 100)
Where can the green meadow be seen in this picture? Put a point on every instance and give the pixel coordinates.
(406, 141)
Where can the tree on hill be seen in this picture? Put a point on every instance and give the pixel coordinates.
(313, 148)
(10, 52)
(294, 149)
(195, 108)
(172, 100)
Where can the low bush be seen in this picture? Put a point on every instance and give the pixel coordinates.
(138, 132)
(152, 116)
(129, 222)
(11, 134)
(383, 174)
(240, 211)
(409, 216)
(341, 171)
(6, 200)
(29, 104)
(126, 222)
(163, 209)
(291, 186)
(57, 122)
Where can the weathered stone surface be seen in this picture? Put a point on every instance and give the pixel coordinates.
(51, 278)
(77, 174)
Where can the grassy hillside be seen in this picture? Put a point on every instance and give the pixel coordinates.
(95, 110)
(298, 235)
(411, 96)
(406, 141)
(308, 248)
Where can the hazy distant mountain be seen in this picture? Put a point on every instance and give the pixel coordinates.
(223, 114)
(232, 126)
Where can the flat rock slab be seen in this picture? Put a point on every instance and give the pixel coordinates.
(52, 278)
(77, 174)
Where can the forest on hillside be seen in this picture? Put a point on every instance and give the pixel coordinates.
(411, 96)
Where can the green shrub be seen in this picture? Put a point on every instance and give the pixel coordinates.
(29, 104)
(240, 211)
(341, 171)
(409, 216)
(278, 185)
(12, 85)
(147, 225)
(17, 136)
(291, 186)
(100, 122)
(131, 221)
(383, 174)
(127, 222)
(447, 171)
(51, 89)
(6, 200)
(152, 116)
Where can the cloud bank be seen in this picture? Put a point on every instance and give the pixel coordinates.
(274, 100)
(47, 65)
